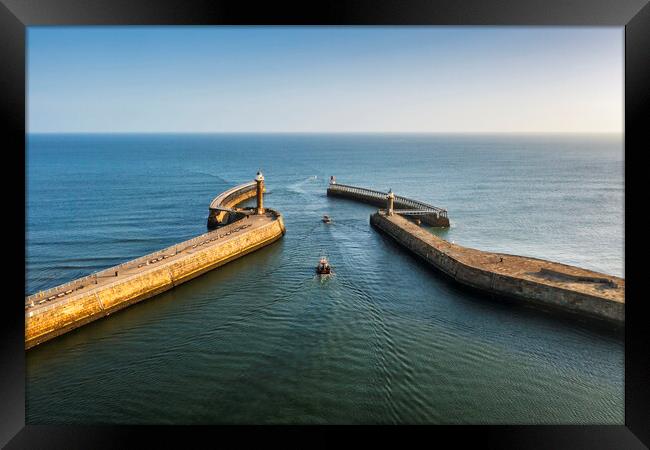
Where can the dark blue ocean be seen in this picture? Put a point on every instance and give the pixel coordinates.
(386, 340)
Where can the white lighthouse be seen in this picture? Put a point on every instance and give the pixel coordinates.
(259, 179)
(390, 202)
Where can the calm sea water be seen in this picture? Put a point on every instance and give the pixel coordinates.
(385, 340)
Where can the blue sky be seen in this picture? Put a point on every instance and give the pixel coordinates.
(325, 79)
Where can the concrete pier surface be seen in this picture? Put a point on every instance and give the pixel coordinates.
(559, 286)
(51, 313)
(56, 311)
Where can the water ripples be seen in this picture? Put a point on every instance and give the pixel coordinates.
(263, 339)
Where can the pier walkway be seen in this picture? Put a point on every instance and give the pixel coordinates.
(429, 214)
(541, 282)
(58, 295)
(233, 194)
(530, 280)
(223, 207)
(60, 309)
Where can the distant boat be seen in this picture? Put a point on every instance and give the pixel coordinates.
(327, 219)
(323, 267)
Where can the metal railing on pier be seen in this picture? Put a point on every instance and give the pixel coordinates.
(418, 207)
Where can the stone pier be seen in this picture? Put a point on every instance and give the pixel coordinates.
(56, 311)
(223, 208)
(549, 284)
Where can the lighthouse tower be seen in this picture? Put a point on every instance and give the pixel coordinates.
(390, 202)
(259, 179)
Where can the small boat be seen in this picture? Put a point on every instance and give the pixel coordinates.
(323, 267)
(327, 219)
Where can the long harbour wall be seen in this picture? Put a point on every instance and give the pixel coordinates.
(558, 286)
(56, 311)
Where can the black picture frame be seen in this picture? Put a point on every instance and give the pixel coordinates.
(634, 15)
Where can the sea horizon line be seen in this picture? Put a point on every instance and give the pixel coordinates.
(332, 132)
